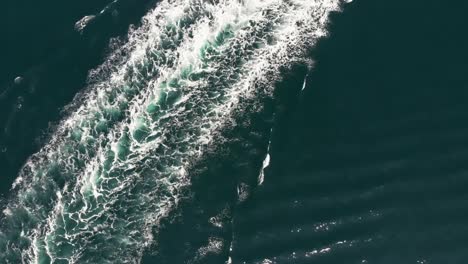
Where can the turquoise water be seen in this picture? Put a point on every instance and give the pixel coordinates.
(239, 132)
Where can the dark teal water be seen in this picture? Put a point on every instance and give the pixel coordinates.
(368, 162)
(39, 44)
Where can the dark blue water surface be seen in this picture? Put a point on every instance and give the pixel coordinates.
(369, 163)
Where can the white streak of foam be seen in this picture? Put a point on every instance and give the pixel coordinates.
(266, 162)
(83, 22)
(305, 82)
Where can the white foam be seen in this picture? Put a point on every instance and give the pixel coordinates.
(305, 83)
(266, 163)
(93, 193)
(83, 22)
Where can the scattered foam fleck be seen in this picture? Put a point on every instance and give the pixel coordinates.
(83, 22)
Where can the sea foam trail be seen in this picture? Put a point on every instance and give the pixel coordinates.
(102, 105)
(119, 163)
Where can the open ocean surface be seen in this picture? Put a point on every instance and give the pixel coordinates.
(234, 131)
